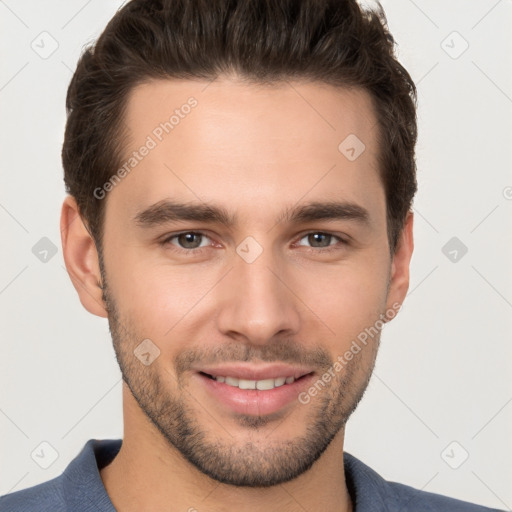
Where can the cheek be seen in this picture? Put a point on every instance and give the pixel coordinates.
(161, 300)
(156, 297)
(347, 297)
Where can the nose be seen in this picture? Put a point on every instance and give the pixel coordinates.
(257, 300)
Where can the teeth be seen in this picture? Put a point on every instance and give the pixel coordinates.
(231, 381)
(246, 384)
(262, 385)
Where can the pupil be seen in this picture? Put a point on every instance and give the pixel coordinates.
(317, 235)
(188, 237)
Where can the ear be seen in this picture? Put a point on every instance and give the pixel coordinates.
(399, 279)
(81, 258)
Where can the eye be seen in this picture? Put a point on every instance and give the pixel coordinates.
(188, 241)
(322, 241)
(193, 242)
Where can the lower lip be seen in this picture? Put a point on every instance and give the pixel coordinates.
(254, 401)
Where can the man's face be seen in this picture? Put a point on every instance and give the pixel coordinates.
(264, 289)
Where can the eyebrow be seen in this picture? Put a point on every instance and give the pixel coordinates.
(166, 211)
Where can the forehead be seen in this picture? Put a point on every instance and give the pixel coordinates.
(246, 144)
(280, 110)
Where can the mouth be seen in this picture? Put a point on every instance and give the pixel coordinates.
(254, 397)
(260, 384)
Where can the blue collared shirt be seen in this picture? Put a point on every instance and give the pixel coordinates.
(80, 488)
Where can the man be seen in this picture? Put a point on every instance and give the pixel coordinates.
(240, 179)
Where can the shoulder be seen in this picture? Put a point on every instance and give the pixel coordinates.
(78, 489)
(411, 499)
(45, 497)
(370, 492)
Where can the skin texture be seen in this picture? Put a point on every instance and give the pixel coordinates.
(254, 150)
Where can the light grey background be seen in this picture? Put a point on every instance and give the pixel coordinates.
(442, 384)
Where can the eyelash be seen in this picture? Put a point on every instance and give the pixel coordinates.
(199, 250)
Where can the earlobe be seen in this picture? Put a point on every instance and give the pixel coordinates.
(81, 258)
(399, 279)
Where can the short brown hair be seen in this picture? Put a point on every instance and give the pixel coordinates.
(263, 41)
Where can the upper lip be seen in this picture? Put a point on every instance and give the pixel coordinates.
(256, 372)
